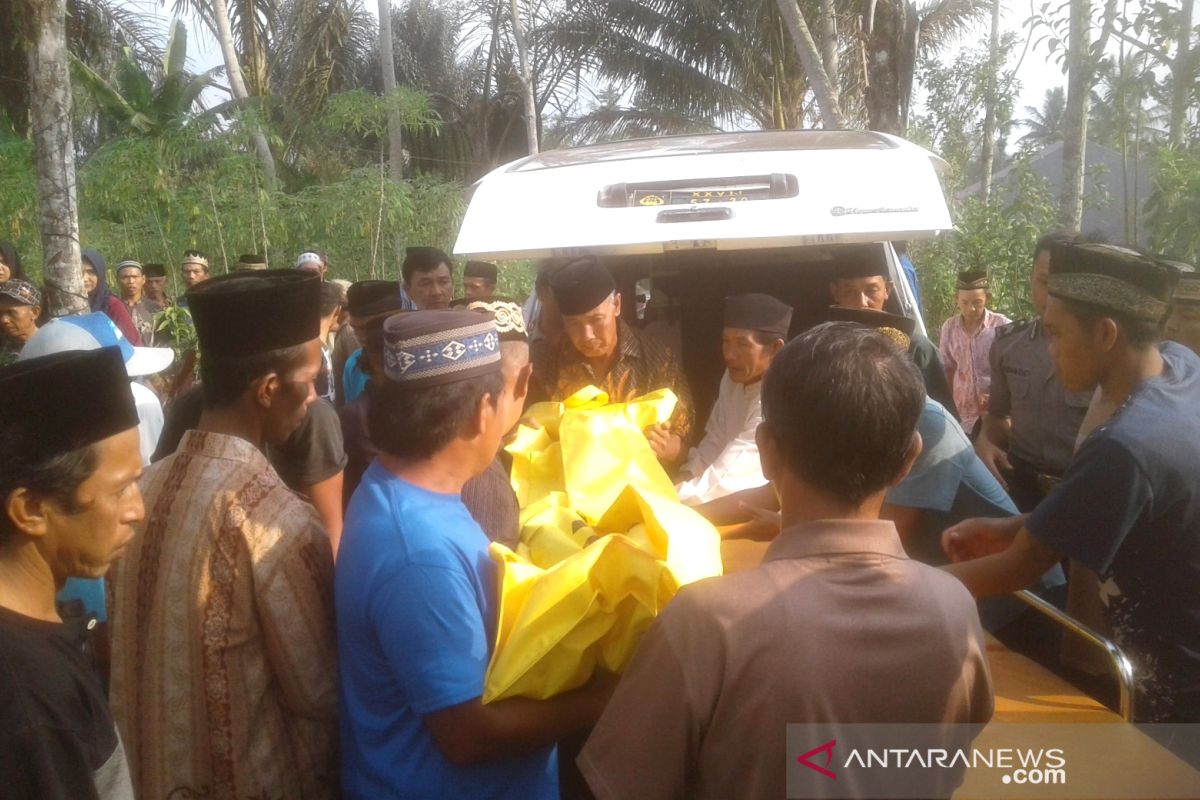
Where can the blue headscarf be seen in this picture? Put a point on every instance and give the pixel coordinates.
(98, 297)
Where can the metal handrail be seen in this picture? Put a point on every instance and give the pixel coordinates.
(1121, 664)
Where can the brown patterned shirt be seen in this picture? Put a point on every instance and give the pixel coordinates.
(223, 671)
(642, 366)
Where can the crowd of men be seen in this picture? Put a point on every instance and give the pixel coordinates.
(274, 581)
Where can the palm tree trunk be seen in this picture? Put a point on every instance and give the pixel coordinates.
(810, 59)
(829, 44)
(1180, 72)
(50, 113)
(883, 29)
(988, 154)
(531, 118)
(1075, 116)
(237, 85)
(387, 69)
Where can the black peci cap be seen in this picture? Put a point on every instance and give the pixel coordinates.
(581, 285)
(481, 269)
(758, 312)
(242, 314)
(879, 320)
(41, 415)
(371, 298)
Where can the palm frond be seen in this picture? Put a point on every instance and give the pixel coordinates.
(944, 21)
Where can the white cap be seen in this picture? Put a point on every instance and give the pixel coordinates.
(308, 258)
(91, 332)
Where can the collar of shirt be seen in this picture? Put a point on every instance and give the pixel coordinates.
(828, 537)
(221, 446)
(990, 320)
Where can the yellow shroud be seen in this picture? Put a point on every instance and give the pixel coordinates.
(605, 544)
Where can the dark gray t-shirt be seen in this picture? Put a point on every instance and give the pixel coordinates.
(58, 740)
(1129, 509)
(315, 452)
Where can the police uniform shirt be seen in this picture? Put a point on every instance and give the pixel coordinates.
(1045, 416)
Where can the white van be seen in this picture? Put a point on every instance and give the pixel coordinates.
(707, 216)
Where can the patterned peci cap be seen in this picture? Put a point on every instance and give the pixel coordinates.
(510, 319)
(431, 348)
(1115, 278)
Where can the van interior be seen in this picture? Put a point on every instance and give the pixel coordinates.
(688, 290)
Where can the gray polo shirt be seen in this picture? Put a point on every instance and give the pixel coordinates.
(1045, 416)
(837, 625)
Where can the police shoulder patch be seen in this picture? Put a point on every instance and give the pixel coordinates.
(1013, 327)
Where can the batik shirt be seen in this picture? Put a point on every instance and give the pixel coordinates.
(641, 366)
(223, 673)
(142, 313)
(967, 354)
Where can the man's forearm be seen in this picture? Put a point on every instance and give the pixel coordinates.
(727, 510)
(997, 429)
(474, 732)
(1010, 570)
(326, 498)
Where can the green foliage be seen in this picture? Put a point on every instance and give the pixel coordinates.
(154, 197)
(18, 194)
(176, 325)
(956, 100)
(1173, 209)
(999, 237)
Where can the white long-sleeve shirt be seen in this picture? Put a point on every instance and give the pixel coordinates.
(726, 461)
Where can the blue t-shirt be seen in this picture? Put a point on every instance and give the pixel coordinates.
(910, 274)
(354, 380)
(948, 482)
(1129, 509)
(417, 602)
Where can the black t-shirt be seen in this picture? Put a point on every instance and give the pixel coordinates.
(1129, 509)
(312, 454)
(57, 737)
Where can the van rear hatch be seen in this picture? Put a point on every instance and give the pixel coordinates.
(726, 191)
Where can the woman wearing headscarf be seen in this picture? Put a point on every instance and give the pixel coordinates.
(95, 283)
(10, 263)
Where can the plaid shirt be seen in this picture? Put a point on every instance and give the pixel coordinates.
(642, 366)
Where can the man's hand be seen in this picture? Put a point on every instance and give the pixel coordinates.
(666, 445)
(979, 537)
(994, 458)
(763, 524)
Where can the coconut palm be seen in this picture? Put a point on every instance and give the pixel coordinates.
(896, 34)
(254, 19)
(134, 99)
(97, 32)
(1045, 124)
(324, 47)
(711, 62)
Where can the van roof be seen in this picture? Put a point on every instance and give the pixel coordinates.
(703, 144)
(730, 191)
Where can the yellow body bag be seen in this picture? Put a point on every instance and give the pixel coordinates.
(604, 544)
